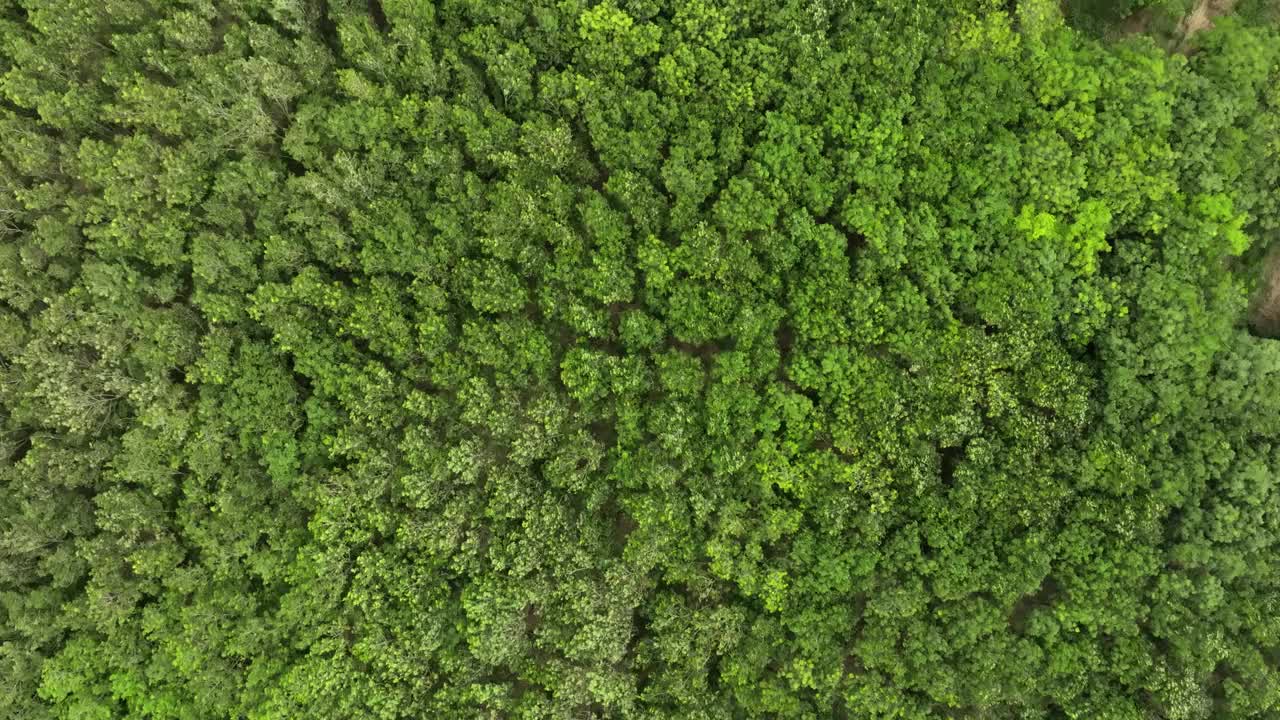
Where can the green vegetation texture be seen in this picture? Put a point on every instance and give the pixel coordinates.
(637, 359)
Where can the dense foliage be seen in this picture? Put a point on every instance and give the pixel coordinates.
(634, 359)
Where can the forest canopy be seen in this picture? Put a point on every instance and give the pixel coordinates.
(639, 359)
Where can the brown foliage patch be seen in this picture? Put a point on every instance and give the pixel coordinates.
(1264, 311)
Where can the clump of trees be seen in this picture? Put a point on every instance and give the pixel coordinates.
(634, 359)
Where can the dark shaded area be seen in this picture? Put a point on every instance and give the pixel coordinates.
(377, 15)
(949, 460)
(1044, 597)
